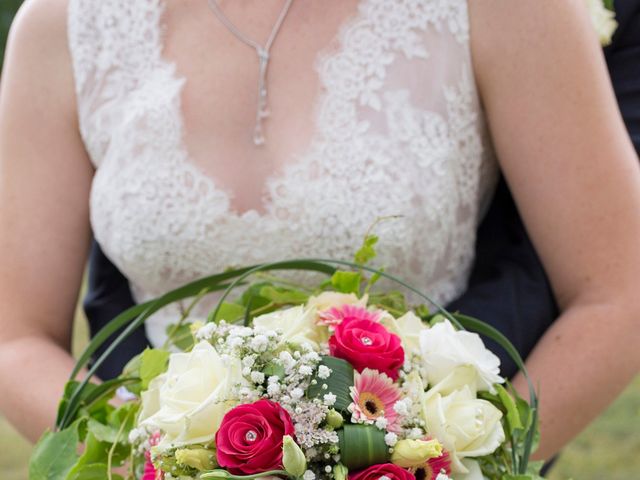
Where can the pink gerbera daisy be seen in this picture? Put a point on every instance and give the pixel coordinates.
(374, 394)
(344, 313)
(433, 467)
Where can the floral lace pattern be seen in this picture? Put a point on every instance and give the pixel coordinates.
(399, 131)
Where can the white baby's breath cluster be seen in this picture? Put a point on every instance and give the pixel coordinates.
(281, 372)
(140, 438)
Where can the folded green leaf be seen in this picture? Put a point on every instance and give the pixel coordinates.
(339, 382)
(362, 446)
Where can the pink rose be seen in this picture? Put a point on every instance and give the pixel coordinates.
(388, 470)
(368, 344)
(249, 439)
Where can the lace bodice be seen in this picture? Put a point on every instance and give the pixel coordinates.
(398, 131)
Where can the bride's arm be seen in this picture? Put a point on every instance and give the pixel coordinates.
(566, 155)
(44, 231)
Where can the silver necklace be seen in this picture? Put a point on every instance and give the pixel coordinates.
(263, 60)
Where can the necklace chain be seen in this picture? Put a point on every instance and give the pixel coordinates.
(263, 53)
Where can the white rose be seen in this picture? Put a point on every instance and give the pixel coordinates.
(188, 401)
(466, 426)
(603, 20)
(327, 300)
(443, 348)
(297, 324)
(474, 471)
(408, 328)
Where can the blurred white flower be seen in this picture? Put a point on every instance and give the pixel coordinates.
(603, 19)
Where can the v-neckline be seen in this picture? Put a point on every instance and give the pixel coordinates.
(333, 49)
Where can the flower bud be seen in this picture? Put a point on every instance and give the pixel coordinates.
(334, 419)
(340, 472)
(413, 453)
(293, 458)
(217, 474)
(198, 458)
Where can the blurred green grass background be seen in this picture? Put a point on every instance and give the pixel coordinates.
(607, 450)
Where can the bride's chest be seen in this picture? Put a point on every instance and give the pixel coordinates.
(387, 123)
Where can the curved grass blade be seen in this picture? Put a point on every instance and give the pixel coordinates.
(319, 263)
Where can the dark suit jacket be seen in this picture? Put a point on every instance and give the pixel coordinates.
(507, 288)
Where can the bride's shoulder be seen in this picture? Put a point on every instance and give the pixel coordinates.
(40, 23)
(525, 31)
(37, 55)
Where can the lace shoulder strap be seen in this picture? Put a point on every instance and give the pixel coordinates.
(113, 43)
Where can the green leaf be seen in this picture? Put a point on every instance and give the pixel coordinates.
(94, 398)
(55, 454)
(362, 446)
(132, 368)
(102, 432)
(181, 336)
(367, 252)
(274, 370)
(513, 415)
(339, 382)
(395, 302)
(251, 296)
(153, 363)
(346, 282)
(283, 296)
(125, 413)
(229, 312)
(95, 451)
(93, 471)
(422, 311)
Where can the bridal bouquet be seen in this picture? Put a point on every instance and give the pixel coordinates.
(333, 382)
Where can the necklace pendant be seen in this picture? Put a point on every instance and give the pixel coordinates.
(263, 53)
(258, 135)
(264, 113)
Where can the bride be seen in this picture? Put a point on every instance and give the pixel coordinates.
(191, 136)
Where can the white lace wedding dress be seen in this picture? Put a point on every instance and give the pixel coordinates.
(398, 131)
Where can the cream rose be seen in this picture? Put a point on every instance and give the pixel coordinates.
(297, 324)
(408, 328)
(327, 300)
(188, 401)
(443, 348)
(465, 425)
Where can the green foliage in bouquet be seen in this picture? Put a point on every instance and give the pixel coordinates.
(86, 417)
